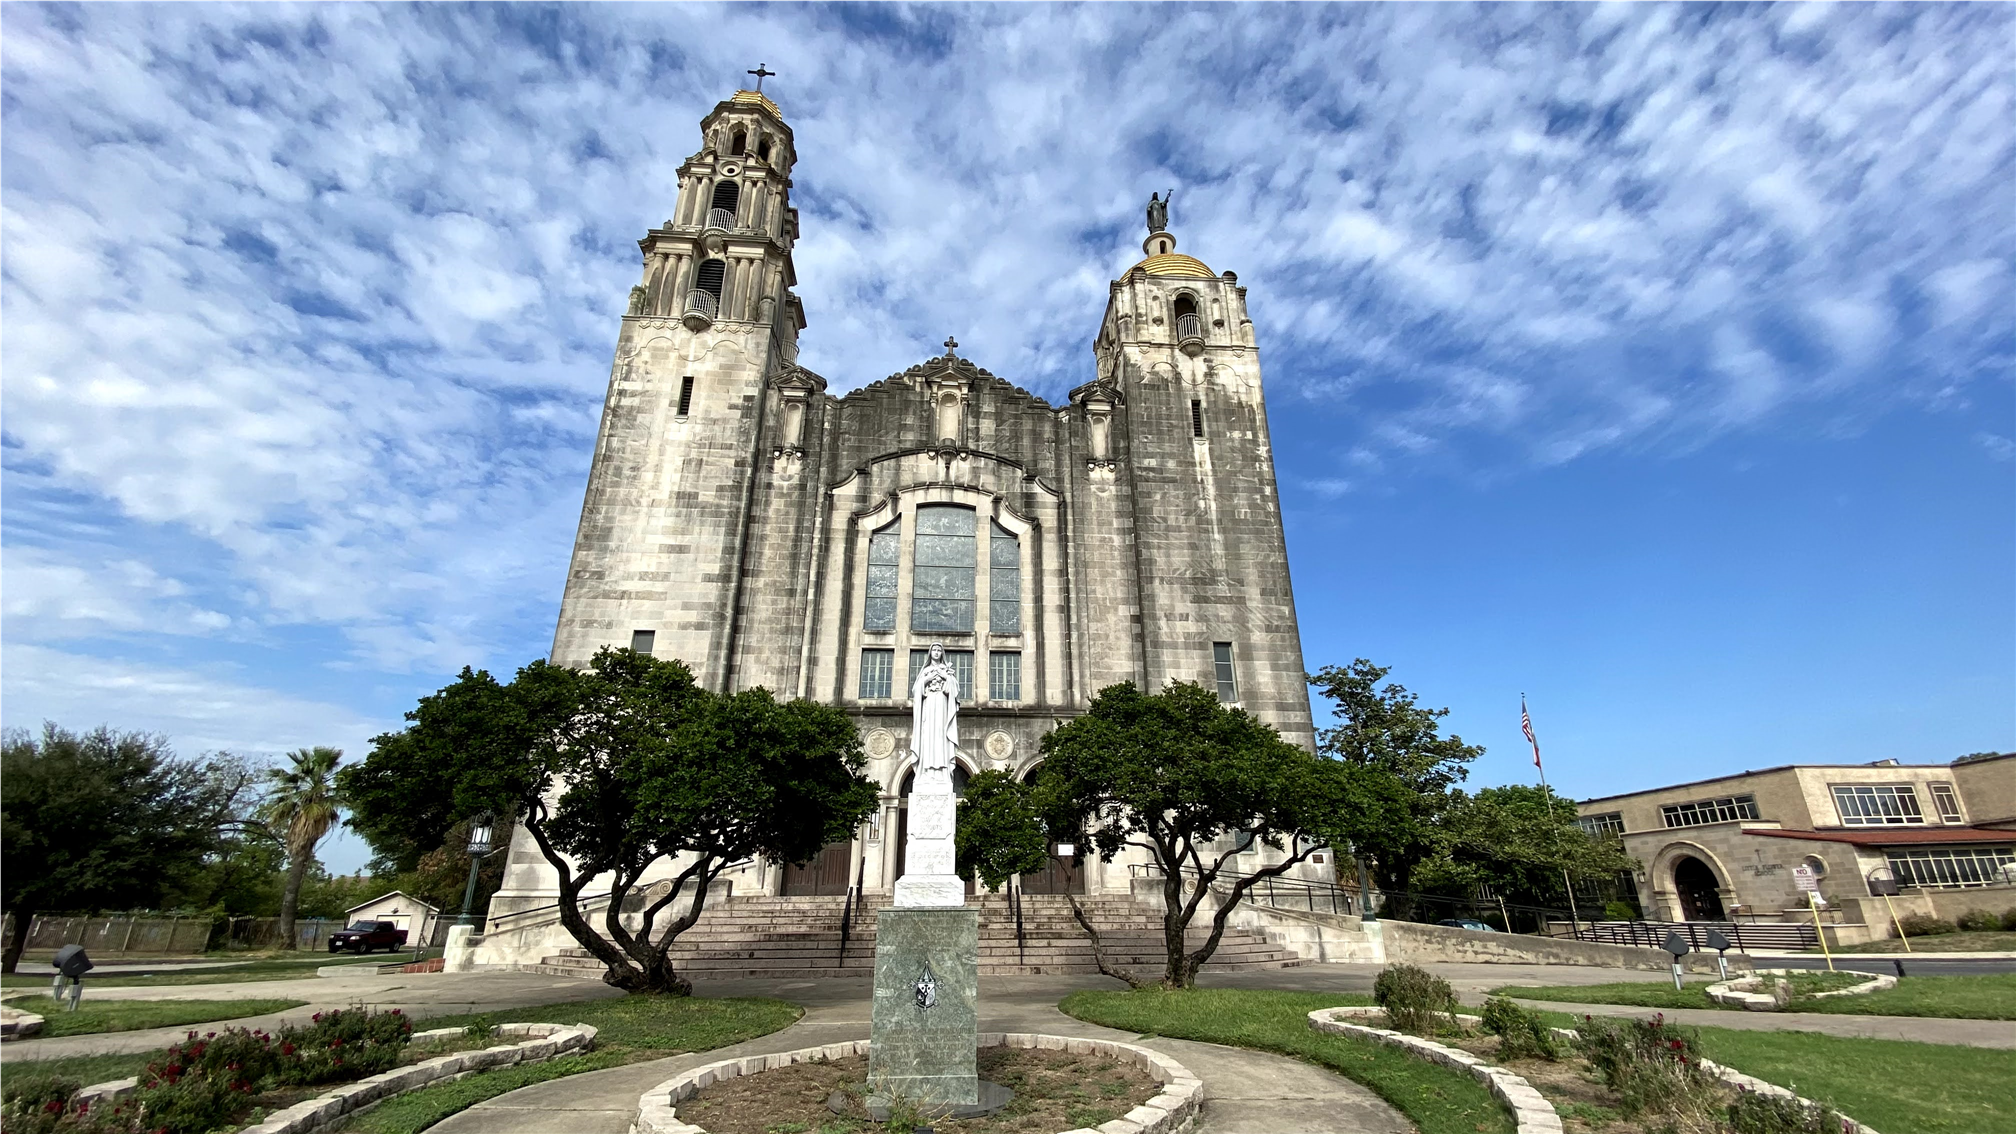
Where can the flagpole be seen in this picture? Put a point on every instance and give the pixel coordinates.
(1526, 724)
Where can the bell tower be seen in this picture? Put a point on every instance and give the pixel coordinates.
(710, 323)
(1177, 422)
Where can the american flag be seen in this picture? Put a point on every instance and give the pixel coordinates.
(1526, 726)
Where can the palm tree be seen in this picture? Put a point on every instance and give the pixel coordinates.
(301, 805)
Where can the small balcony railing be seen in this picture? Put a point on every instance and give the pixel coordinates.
(701, 307)
(721, 218)
(1190, 333)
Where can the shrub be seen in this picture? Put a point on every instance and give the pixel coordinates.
(187, 1104)
(1753, 1113)
(348, 1043)
(1924, 925)
(1412, 997)
(1614, 910)
(1979, 921)
(1649, 1067)
(2009, 920)
(33, 1089)
(1521, 1034)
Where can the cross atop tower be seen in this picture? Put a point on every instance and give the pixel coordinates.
(761, 74)
(951, 346)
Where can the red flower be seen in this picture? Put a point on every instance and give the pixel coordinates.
(395, 1011)
(1677, 1045)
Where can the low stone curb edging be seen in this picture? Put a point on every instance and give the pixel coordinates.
(1545, 1118)
(1169, 1112)
(1732, 994)
(18, 1023)
(1531, 1112)
(541, 1043)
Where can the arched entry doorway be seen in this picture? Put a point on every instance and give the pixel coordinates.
(1700, 895)
(1060, 874)
(959, 779)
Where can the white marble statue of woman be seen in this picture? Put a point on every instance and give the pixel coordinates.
(934, 719)
(929, 878)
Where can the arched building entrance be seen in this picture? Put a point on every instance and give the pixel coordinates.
(1700, 895)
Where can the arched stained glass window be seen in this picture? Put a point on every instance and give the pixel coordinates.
(885, 559)
(941, 587)
(1004, 582)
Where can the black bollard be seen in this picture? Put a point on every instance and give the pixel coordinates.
(1900, 967)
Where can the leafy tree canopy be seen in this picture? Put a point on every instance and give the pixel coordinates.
(104, 820)
(1384, 729)
(614, 770)
(1188, 779)
(1519, 840)
(999, 833)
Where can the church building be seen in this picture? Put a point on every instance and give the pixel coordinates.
(767, 532)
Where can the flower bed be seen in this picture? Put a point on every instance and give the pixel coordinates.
(1769, 990)
(1171, 1110)
(221, 1078)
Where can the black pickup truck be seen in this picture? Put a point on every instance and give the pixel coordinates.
(368, 937)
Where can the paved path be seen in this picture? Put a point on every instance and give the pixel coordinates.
(420, 995)
(1246, 1092)
(1919, 1029)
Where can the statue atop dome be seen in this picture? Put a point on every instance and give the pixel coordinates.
(1158, 211)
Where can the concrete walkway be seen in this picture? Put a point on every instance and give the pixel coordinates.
(1918, 1029)
(1246, 1092)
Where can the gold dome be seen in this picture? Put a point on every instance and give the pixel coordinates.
(757, 98)
(1173, 264)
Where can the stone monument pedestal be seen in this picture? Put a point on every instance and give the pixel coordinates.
(926, 1020)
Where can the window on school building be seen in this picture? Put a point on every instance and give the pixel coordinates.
(1945, 802)
(1221, 667)
(1877, 805)
(1700, 812)
(1608, 823)
(1950, 868)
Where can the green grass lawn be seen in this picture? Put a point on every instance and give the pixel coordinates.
(1954, 997)
(1439, 1101)
(1894, 1086)
(270, 969)
(86, 1069)
(132, 1015)
(630, 1029)
(1937, 943)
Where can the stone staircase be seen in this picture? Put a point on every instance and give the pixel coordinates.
(798, 938)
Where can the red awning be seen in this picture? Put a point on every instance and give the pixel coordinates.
(1898, 836)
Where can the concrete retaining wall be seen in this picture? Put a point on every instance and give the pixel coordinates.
(1329, 937)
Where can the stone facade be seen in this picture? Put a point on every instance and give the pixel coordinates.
(768, 533)
(1729, 846)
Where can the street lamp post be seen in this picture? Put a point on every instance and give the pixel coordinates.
(479, 849)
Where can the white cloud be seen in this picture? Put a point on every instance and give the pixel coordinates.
(331, 291)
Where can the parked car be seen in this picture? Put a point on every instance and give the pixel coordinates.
(1468, 923)
(367, 937)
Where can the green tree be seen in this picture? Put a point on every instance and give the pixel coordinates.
(103, 820)
(1384, 729)
(999, 833)
(613, 771)
(1193, 782)
(1523, 842)
(302, 804)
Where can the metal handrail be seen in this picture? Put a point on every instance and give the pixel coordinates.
(1015, 897)
(1189, 327)
(702, 302)
(721, 218)
(1273, 889)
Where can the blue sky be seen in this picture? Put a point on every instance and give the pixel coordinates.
(1655, 361)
